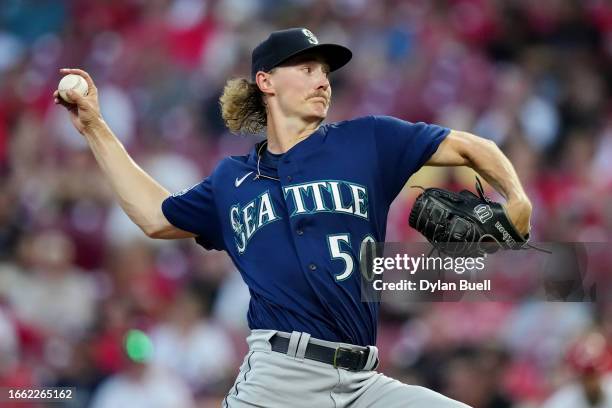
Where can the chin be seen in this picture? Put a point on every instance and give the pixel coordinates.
(319, 118)
(315, 116)
(318, 110)
(320, 113)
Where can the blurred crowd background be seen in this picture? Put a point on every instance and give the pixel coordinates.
(76, 275)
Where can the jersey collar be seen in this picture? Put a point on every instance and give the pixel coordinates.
(302, 148)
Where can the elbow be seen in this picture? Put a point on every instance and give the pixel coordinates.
(479, 142)
(153, 231)
(480, 149)
(154, 223)
(165, 230)
(150, 233)
(491, 144)
(471, 148)
(154, 234)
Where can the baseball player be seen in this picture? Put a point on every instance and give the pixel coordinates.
(292, 215)
(589, 358)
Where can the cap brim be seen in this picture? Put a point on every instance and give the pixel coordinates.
(335, 55)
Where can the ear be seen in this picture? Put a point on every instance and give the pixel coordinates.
(264, 82)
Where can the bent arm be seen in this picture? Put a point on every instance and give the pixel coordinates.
(482, 155)
(139, 194)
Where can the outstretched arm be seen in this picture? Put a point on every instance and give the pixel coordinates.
(482, 155)
(139, 194)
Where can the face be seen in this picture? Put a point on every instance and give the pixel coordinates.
(300, 88)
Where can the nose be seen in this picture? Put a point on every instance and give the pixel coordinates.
(323, 82)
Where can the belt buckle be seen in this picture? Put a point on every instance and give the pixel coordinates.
(348, 350)
(336, 355)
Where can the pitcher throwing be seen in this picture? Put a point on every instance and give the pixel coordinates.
(292, 215)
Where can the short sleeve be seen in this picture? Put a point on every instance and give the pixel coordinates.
(402, 149)
(194, 210)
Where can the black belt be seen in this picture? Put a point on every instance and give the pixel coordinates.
(339, 357)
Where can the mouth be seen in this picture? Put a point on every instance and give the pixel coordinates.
(320, 99)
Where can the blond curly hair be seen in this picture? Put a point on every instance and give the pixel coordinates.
(242, 107)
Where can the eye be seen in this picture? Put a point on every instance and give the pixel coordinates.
(307, 69)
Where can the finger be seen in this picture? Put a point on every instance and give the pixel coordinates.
(57, 99)
(76, 97)
(90, 83)
(71, 106)
(60, 101)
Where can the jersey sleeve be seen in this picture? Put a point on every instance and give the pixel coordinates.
(403, 148)
(194, 210)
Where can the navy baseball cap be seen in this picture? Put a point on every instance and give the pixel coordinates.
(284, 44)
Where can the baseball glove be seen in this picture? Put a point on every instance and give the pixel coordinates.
(464, 224)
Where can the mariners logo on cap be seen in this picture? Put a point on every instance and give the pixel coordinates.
(311, 37)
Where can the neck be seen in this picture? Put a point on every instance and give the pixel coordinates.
(284, 133)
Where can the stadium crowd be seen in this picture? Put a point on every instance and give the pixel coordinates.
(76, 275)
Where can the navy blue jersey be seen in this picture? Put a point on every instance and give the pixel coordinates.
(296, 240)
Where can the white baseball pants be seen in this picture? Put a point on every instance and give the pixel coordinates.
(270, 379)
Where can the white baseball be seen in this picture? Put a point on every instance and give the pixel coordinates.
(75, 82)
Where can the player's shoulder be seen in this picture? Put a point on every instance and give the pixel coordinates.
(373, 123)
(230, 166)
(224, 170)
(363, 122)
(232, 162)
(350, 130)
